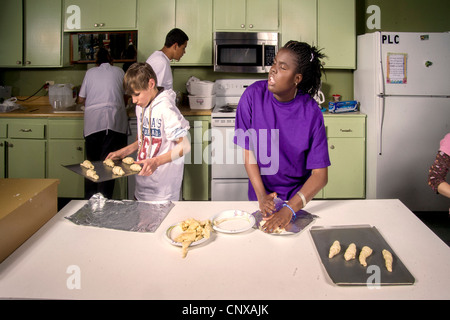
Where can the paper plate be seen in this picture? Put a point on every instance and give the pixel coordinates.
(174, 230)
(233, 221)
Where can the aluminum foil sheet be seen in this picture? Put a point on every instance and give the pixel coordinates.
(297, 225)
(126, 215)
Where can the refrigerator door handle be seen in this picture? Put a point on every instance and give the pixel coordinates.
(380, 75)
(380, 118)
(381, 89)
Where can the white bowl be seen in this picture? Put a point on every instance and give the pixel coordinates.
(201, 88)
(202, 102)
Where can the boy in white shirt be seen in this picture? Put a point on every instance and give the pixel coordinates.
(174, 48)
(162, 136)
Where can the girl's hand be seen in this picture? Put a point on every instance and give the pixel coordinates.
(267, 204)
(279, 219)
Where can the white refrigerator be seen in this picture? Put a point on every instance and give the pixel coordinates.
(402, 82)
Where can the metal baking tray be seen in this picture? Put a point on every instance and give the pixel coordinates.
(103, 171)
(352, 273)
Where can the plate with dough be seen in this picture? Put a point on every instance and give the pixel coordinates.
(103, 170)
(175, 230)
(233, 221)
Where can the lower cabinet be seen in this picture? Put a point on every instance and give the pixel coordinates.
(197, 177)
(24, 149)
(39, 148)
(66, 146)
(3, 131)
(347, 150)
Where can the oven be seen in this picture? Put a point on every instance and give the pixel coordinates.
(229, 180)
(251, 52)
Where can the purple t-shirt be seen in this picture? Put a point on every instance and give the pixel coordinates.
(288, 138)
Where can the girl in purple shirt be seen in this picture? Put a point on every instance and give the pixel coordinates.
(281, 129)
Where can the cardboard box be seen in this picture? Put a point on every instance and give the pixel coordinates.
(25, 206)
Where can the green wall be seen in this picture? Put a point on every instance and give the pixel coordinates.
(406, 15)
(396, 15)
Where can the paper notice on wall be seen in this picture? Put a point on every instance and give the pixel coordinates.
(396, 68)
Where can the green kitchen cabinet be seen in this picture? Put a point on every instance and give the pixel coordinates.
(31, 34)
(346, 147)
(336, 33)
(195, 18)
(110, 15)
(66, 146)
(25, 153)
(11, 33)
(327, 24)
(196, 178)
(3, 136)
(157, 18)
(246, 15)
(298, 21)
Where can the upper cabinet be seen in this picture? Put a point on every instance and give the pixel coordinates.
(336, 32)
(31, 34)
(246, 15)
(195, 18)
(327, 24)
(156, 18)
(88, 15)
(299, 21)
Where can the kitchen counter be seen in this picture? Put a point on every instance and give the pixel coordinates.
(39, 107)
(111, 264)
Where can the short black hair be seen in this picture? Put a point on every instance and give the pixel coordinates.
(103, 56)
(176, 36)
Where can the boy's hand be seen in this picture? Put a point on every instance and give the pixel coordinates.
(115, 155)
(148, 166)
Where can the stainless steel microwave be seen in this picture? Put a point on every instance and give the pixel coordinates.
(251, 52)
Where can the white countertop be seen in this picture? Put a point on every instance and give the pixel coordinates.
(113, 264)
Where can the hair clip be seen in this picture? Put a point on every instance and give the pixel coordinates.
(312, 57)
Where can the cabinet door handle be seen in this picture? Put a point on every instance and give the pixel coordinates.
(242, 25)
(332, 147)
(346, 130)
(79, 149)
(18, 62)
(26, 130)
(28, 62)
(250, 26)
(9, 145)
(102, 24)
(1, 144)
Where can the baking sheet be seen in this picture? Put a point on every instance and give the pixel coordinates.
(125, 215)
(351, 273)
(104, 172)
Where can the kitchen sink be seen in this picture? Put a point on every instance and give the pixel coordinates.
(72, 109)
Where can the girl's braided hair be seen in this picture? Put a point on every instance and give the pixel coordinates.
(308, 65)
